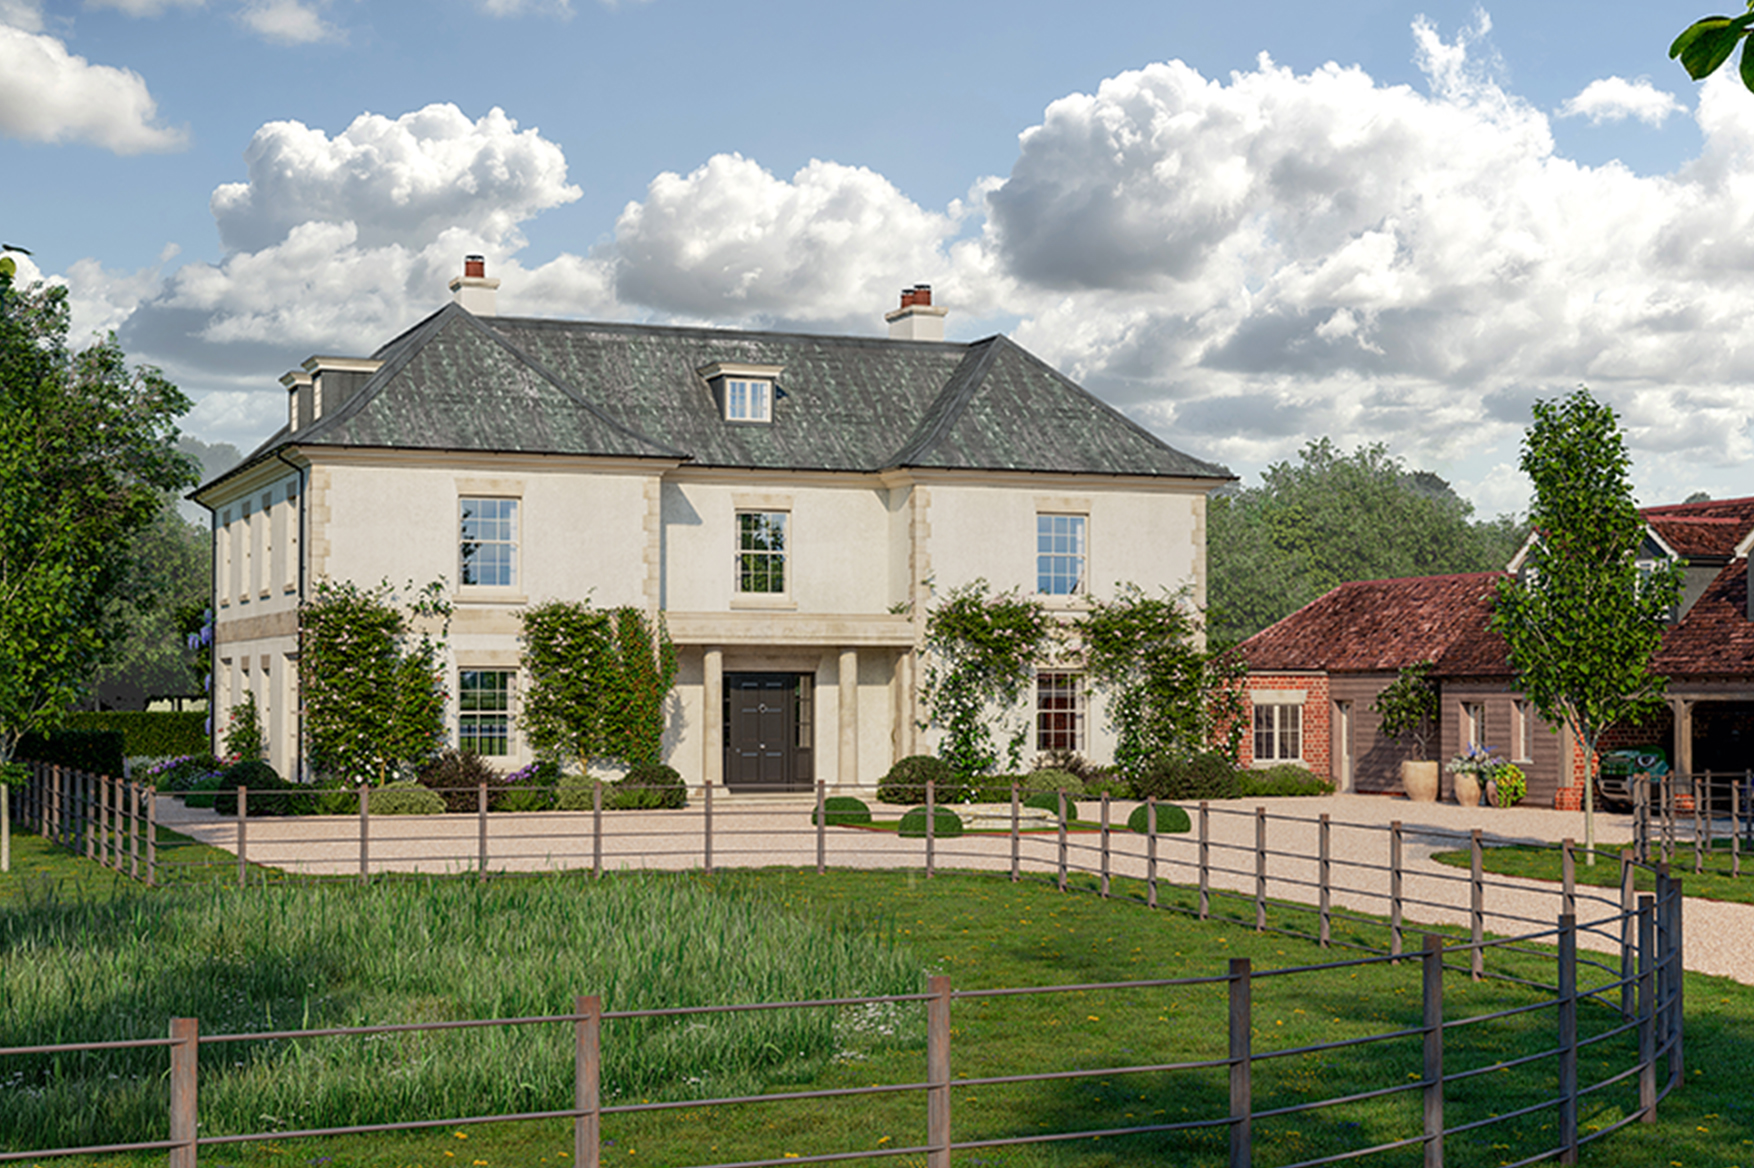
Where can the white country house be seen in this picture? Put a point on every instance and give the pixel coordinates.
(786, 501)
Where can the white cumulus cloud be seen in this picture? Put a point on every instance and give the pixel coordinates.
(1614, 99)
(288, 22)
(50, 95)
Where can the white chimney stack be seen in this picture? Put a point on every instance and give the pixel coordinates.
(473, 290)
(917, 319)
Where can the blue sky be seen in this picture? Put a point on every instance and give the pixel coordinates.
(1403, 224)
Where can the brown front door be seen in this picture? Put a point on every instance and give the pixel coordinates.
(767, 727)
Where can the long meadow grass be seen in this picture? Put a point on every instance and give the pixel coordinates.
(299, 956)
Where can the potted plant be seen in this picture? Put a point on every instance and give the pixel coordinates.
(1408, 708)
(1474, 768)
(1509, 786)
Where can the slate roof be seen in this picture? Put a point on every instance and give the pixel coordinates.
(460, 382)
(1379, 626)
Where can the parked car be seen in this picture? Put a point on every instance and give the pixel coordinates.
(1614, 776)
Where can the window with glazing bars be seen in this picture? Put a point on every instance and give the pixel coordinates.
(1278, 733)
(761, 551)
(488, 542)
(1059, 711)
(484, 711)
(1059, 554)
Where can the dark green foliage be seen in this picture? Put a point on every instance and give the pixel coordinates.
(1282, 780)
(335, 797)
(148, 733)
(1167, 694)
(1706, 44)
(649, 786)
(907, 779)
(1052, 780)
(203, 791)
(1071, 762)
(269, 793)
(1170, 819)
(598, 685)
(1408, 706)
(574, 792)
(1333, 517)
(405, 797)
(1189, 778)
(97, 752)
(981, 654)
(456, 776)
(369, 678)
(1050, 801)
(243, 736)
(183, 773)
(529, 788)
(945, 824)
(843, 809)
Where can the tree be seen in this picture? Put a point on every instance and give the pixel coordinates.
(598, 683)
(1167, 693)
(370, 678)
(87, 455)
(1333, 517)
(981, 653)
(172, 577)
(1706, 44)
(1408, 706)
(1585, 616)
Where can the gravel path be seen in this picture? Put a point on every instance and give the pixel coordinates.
(754, 831)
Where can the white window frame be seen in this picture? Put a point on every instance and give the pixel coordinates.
(1050, 555)
(513, 541)
(1522, 718)
(1273, 724)
(741, 577)
(1046, 694)
(476, 717)
(748, 399)
(1473, 725)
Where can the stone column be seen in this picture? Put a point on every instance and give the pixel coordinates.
(847, 775)
(904, 705)
(712, 715)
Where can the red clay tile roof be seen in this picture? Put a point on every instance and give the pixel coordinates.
(1374, 626)
(1716, 638)
(1711, 528)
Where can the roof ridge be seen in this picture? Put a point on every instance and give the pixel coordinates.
(959, 389)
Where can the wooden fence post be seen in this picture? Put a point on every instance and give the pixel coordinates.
(821, 827)
(1736, 828)
(1062, 879)
(596, 831)
(1628, 923)
(1324, 879)
(1205, 860)
(365, 833)
(1678, 981)
(1476, 903)
(1568, 1039)
(1647, 1010)
(1241, 1054)
(1151, 852)
(1260, 869)
(1431, 997)
(1395, 890)
(88, 826)
(1701, 824)
(1016, 834)
(931, 829)
(1568, 876)
(243, 836)
(938, 1072)
(1105, 843)
(587, 1131)
(185, 1051)
(481, 828)
(134, 831)
(706, 801)
(151, 838)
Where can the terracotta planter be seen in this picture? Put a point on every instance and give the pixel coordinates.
(1419, 780)
(1468, 790)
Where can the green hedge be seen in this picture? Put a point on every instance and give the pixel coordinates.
(97, 752)
(149, 733)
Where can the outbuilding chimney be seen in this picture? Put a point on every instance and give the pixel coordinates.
(917, 319)
(473, 290)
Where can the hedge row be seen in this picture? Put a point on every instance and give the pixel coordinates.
(149, 733)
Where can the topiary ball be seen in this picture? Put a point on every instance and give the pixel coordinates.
(404, 798)
(257, 777)
(1053, 780)
(649, 786)
(906, 780)
(946, 824)
(1050, 801)
(1170, 818)
(841, 809)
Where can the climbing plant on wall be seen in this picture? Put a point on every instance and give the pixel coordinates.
(597, 683)
(981, 654)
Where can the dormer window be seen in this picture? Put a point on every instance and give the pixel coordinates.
(744, 393)
(748, 401)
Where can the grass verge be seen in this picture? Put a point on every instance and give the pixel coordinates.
(986, 932)
(1546, 863)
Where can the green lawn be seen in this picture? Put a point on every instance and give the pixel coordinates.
(981, 930)
(1546, 863)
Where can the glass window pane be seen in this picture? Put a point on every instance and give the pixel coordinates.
(488, 542)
